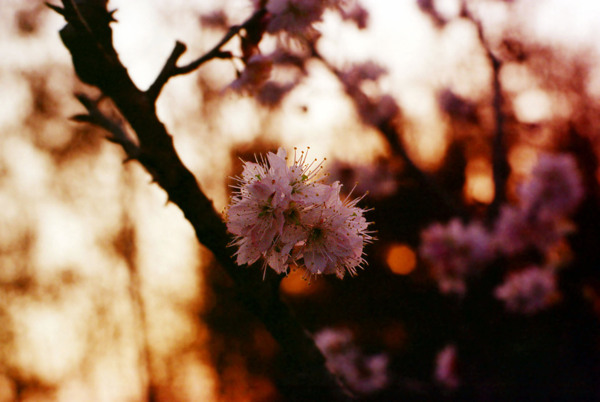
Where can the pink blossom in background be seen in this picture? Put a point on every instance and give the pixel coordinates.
(540, 220)
(367, 71)
(255, 74)
(446, 367)
(334, 341)
(369, 375)
(362, 374)
(295, 17)
(271, 93)
(528, 291)
(555, 187)
(517, 229)
(455, 251)
(356, 13)
(373, 108)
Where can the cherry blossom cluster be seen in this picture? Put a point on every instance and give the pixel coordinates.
(531, 229)
(362, 374)
(285, 215)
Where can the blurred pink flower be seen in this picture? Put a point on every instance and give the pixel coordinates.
(255, 74)
(295, 17)
(362, 374)
(366, 71)
(555, 187)
(455, 251)
(445, 367)
(272, 93)
(518, 229)
(528, 291)
(356, 13)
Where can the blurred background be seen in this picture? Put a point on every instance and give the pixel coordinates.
(106, 294)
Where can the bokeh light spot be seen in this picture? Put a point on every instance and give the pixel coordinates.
(401, 259)
(479, 186)
(295, 283)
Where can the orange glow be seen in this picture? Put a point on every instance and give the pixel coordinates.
(522, 158)
(401, 259)
(479, 186)
(295, 283)
(426, 143)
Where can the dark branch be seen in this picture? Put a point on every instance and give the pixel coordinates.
(170, 69)
(392, 136)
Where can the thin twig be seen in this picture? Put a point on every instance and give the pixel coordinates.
(170, 69)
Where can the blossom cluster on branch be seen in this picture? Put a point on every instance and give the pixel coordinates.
(285, 215)
(293, 24)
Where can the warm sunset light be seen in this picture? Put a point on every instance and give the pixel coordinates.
(296, 283)
(479, 186)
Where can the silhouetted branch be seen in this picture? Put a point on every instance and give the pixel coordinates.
(100, 66)
(171, 69)
(392, 136)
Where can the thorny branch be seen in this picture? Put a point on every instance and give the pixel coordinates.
(97, 63)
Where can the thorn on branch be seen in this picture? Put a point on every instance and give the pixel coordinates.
(58, 9)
